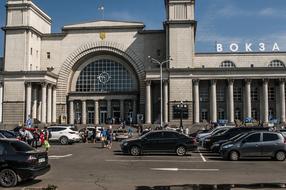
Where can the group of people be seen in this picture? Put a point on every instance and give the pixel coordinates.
(105, 136)
(35, 137)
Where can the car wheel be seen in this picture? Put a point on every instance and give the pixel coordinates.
(181, 151)
(233, 155)
(8, 178)
(64, 140)
(280, 156)
(135, 151)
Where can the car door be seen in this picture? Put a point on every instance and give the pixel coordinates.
(150, 143)
(251, 146)
(168, 141)
(270, 144)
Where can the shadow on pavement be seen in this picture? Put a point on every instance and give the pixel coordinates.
(215, 187)
(29, 183)
(245, 159)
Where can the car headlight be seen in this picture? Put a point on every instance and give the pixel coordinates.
(125, 143)
(227, 146)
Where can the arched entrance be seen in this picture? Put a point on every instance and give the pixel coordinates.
(104, 89)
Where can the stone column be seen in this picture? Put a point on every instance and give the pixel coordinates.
(83, 104)
(49, 99)
(1, 102)
(35, 103)
(282, 101)
(248, 98)
(54, 116)
(196, 101)
(166, 102)
(122, 109)
(109, 114)
(230, 102)
(148, 102)
(71, 112)
(265, 101)
(96, 112)
(213, 102)
(134, 110)
(28, 100)
(44, 103)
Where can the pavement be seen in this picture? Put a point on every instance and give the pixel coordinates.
(88, 166)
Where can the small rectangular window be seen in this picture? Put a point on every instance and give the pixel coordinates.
(31, 51)
(48, 55)
(270, 137)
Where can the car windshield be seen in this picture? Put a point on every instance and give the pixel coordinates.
(237, 136)
(240, 137)
(21, 147)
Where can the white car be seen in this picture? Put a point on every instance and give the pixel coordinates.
(64, 134)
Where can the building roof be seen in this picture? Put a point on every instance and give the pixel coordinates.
(105, 24)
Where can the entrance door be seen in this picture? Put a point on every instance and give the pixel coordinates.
(90, 119)
(103, 117)
(116, 116)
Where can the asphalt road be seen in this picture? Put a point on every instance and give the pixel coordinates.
(88, 166)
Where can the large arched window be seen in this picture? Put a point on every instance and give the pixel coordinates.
(276, 63)
(104, 76)
(227, 64)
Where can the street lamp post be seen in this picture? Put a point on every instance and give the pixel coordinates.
(181, 106)
(161, 83)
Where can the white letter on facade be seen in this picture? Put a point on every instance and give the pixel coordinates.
(248, 47)
(262, 47)
(276, 47)
(233, 47)
(219, 48)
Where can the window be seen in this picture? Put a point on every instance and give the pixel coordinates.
(170, 135)
(237, 94)
(21, 147)
(177, 112)
(204, 95)
(227, 64)
(271, 113)
(103, 76)
(204, 114)
(254, 94)
(2, 149)
(270, 137)
(271, 94)
(31, 51)
(276, 63)
(220, 94)
(48, 55)
(253, 138)
(154, 135)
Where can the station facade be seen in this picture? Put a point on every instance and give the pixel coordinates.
(99, 71)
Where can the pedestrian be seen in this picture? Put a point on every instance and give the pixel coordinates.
(85, 135)
(109, 138)
(130, 132)
(103, 138)
(36, 136)
(94, 134)
(47, 136)
(187, 131)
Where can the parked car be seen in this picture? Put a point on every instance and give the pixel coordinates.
(64, 134)
(231, 133)
(256, 144)
(19, 161)
(204, 134)
(199, 132)
(216, 146)
(8, 134)
(161, 141)
(204, 139)
(120, 134)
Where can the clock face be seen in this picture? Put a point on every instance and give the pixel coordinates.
(104, 77)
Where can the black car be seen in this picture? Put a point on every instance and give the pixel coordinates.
(8, 134)
(161, 141)
(231, 133)
(19, 161)
(256, 144)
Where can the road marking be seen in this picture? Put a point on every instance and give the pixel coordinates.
(176, 161)
(187, 157)
(203, 158)
(177, 169)
(58, 157)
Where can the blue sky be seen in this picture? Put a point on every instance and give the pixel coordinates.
(223, 21)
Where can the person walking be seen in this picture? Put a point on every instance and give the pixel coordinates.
(47, 136)
(103, 137)
(94, 134)
(36, 138)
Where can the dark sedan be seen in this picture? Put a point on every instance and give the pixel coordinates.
(19, 162)
(159, 142)
(256, 144)
(8, 134)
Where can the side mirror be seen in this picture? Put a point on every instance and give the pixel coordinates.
(243, 141)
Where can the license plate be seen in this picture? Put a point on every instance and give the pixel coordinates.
(41, 160)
